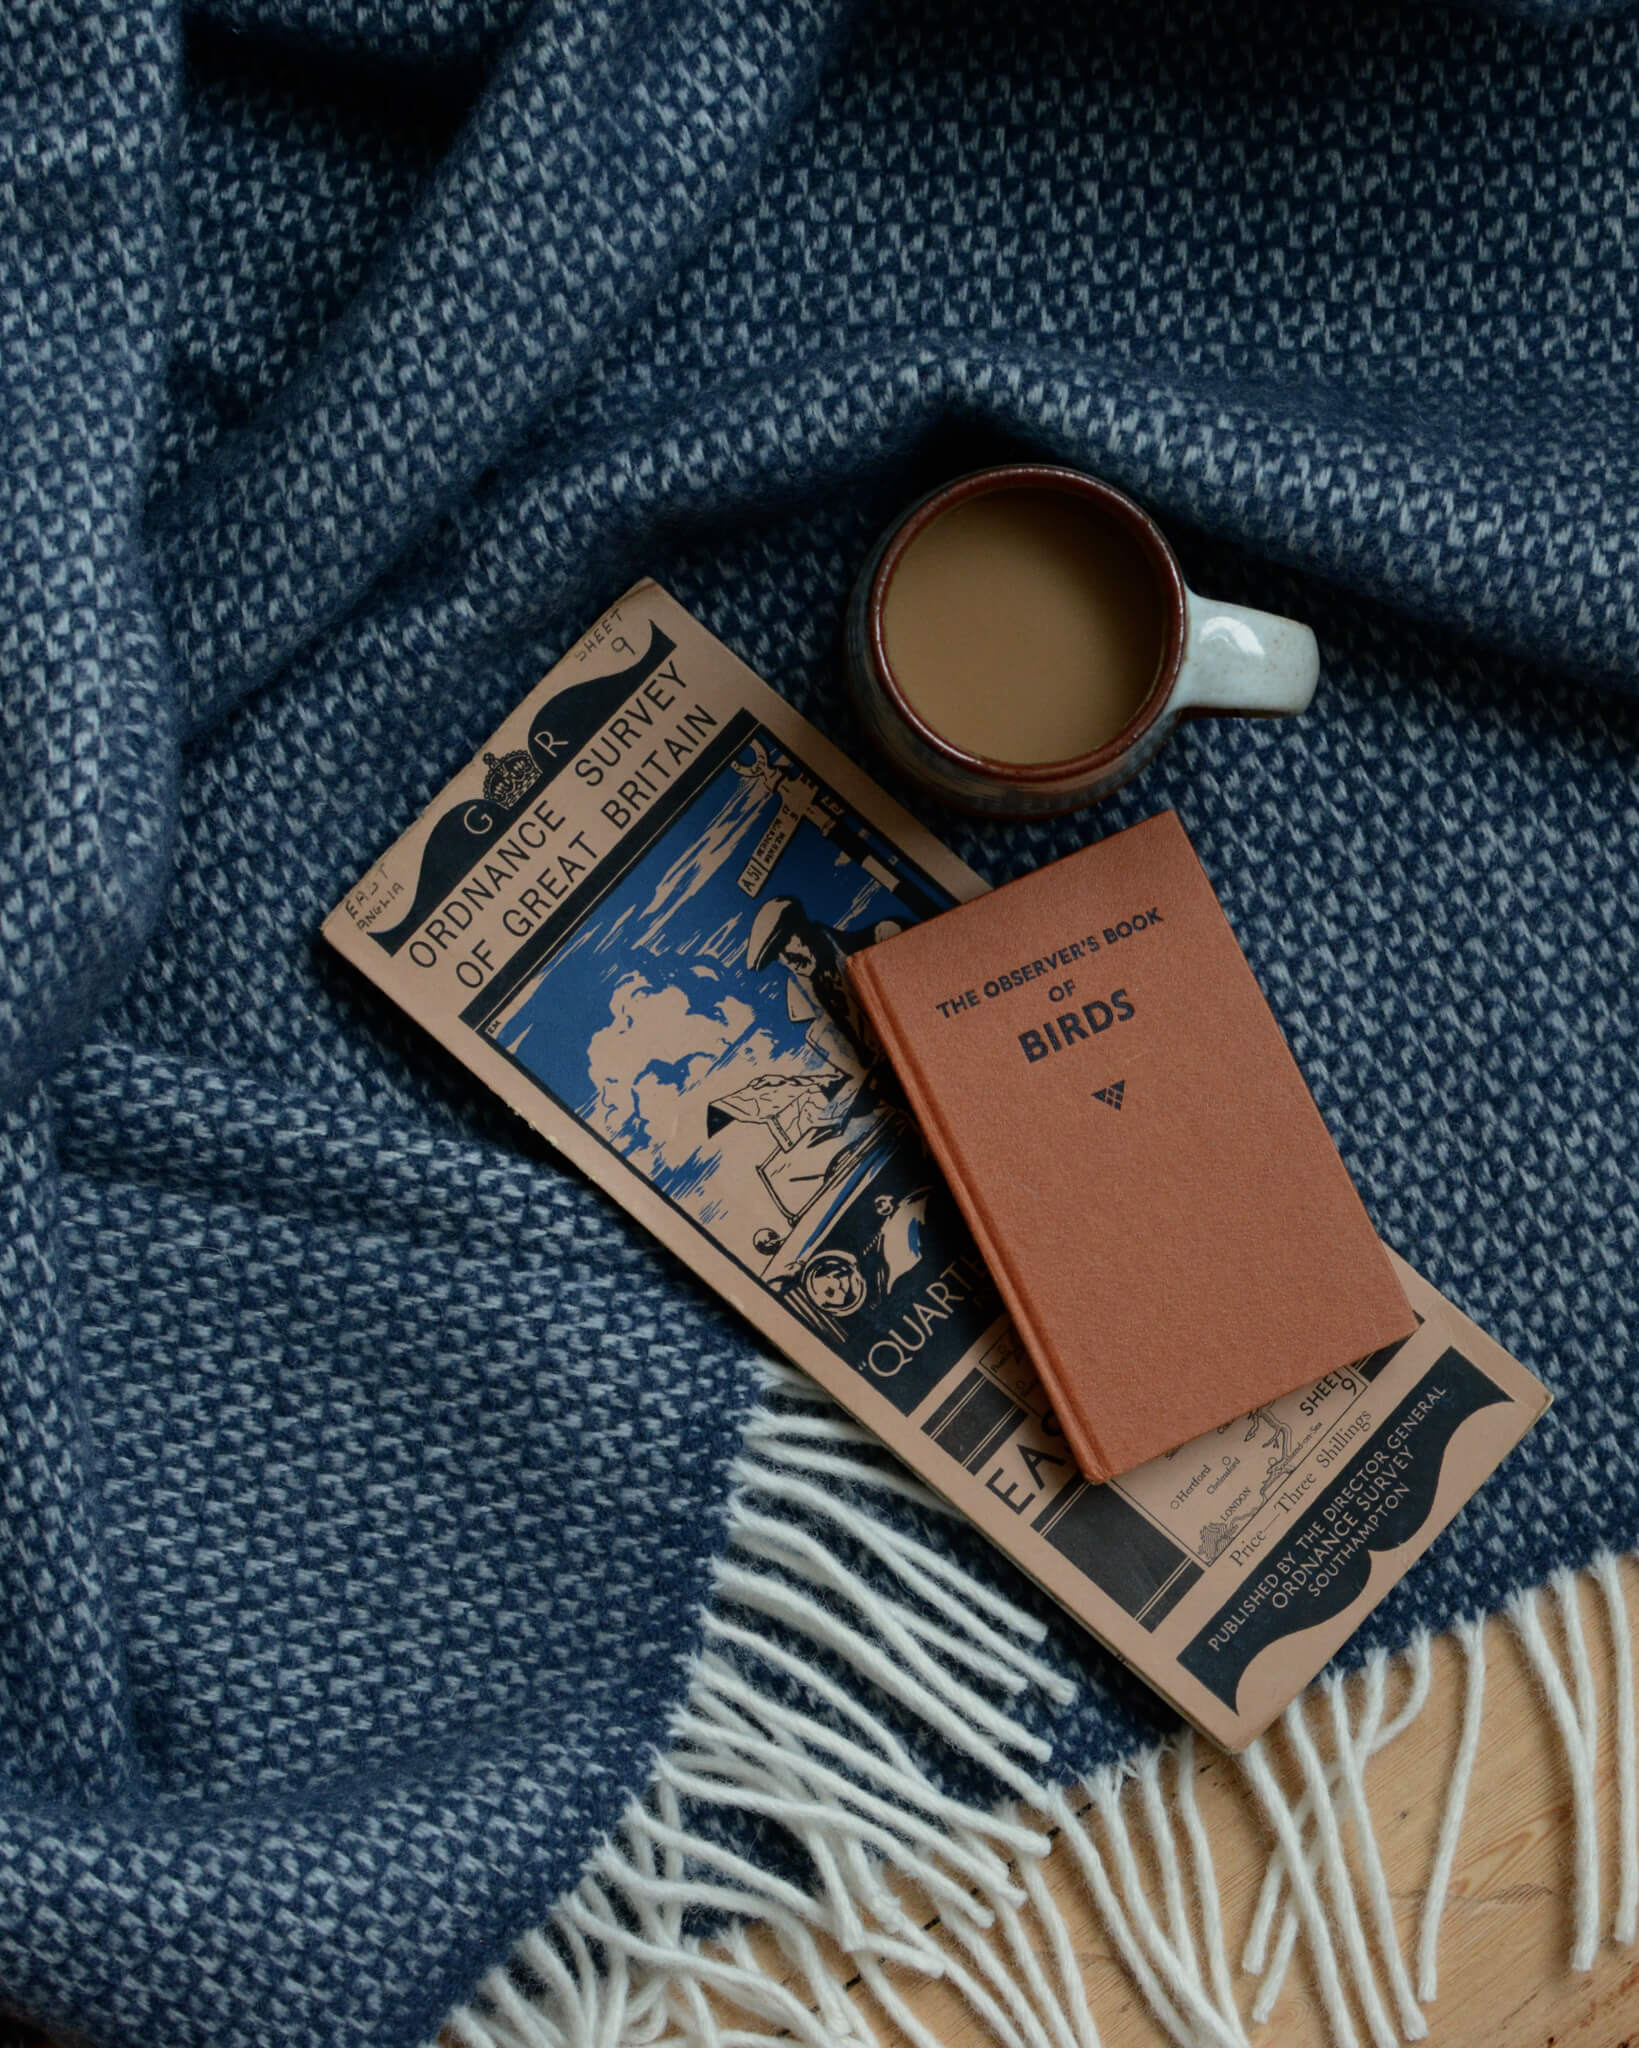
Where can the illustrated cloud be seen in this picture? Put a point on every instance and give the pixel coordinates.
(657, 1062)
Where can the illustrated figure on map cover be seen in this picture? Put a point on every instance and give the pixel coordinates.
(814, 957)
(812, 1120)
(838, 1282)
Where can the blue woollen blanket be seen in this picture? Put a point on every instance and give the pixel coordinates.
(360, 1468)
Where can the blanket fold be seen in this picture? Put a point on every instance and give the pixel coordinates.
(368, 1513)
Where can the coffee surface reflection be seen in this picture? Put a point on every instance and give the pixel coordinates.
(1025, 626)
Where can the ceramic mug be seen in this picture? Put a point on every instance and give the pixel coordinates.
(1028, 550)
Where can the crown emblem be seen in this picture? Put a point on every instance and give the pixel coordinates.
(511, 777)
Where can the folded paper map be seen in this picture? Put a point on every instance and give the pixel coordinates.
(630, 916)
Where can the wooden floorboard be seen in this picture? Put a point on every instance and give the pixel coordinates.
(1504, 1974)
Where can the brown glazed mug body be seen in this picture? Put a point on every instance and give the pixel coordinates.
(1207, 658)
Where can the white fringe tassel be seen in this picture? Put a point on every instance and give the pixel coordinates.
(1572, 1707)
(1471, 1635)
(889, 1882)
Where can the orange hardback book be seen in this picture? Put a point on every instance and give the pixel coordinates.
(1096, 1069)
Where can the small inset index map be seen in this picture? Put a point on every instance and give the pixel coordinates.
(1206, 1493)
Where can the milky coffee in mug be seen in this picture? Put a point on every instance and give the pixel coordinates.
(1023, 641)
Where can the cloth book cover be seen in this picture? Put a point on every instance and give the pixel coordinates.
(1132, 1145)
(631, 914)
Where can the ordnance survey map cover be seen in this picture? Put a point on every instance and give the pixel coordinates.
(630, 916)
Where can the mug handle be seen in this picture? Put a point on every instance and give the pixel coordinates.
(1246, 661)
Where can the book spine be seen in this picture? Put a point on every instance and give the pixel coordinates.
(1088, 1454)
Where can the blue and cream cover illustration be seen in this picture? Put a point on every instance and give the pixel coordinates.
(630, 915)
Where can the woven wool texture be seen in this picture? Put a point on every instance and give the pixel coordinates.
(361, 1469)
